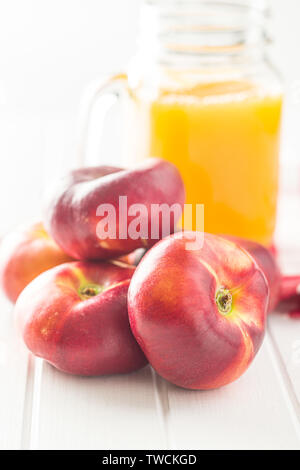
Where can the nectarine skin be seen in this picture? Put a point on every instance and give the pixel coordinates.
(75, 317)
(199, 315)
(71, 214)
(24, 254)
(267, 263)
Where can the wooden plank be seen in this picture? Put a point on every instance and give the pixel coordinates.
(98, 413)
(252, 413)
(13, 370)
(285, 333)
(20, 149)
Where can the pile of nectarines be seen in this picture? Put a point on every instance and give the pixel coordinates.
(196, 315)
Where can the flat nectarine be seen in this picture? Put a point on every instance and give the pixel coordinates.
(199, 315)
(75, 317)
(82, 201)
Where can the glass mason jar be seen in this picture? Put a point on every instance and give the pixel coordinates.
(201, 93)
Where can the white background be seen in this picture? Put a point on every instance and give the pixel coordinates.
(50, 50)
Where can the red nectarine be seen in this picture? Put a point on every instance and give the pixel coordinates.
(199, 315)
(82, 199)
(75, 317)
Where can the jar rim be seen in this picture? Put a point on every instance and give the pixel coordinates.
(205, 27)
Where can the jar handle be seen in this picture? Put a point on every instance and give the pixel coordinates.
(115, 86)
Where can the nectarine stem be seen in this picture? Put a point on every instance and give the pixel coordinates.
(224, 301)
(89, 291)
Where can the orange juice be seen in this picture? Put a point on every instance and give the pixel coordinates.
(224, 138)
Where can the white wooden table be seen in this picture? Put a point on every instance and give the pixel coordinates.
(41, 408)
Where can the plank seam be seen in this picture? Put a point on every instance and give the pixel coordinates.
(36, 400)
(162, 405)
(29, 434)
(27, 406)
(285, 382)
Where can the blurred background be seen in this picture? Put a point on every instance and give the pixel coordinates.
(51, 49)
